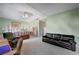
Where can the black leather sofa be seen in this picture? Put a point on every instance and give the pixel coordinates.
(62, 40)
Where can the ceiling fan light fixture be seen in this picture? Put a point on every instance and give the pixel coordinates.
(25, 16)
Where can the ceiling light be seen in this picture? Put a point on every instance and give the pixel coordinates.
(25, 16)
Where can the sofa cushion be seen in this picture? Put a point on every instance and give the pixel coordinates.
(68, 37)
(4, 49)
(57, 36)
(49, 35)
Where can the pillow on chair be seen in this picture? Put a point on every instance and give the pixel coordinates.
(4, 49)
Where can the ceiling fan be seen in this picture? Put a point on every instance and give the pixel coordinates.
(25, 15)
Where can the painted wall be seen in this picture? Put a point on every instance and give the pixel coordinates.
(3, 22)
(66, 23)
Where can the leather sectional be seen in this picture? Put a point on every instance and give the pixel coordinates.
(62, 40)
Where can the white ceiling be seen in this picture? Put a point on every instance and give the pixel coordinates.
(53, 8)
(15, 11)
(39, 10)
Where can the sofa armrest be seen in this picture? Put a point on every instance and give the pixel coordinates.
(17, 50)
(72, 41)
(19, 46)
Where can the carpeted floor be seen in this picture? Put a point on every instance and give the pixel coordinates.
(35, 46)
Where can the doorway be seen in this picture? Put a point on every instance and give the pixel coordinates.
(42, 26)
